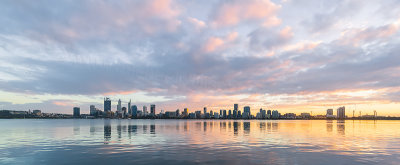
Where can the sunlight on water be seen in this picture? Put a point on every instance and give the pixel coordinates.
(105, 141)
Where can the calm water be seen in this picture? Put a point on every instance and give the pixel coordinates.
(101, 141)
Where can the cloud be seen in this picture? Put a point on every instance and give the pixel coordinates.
(230, 13)
(195, 53)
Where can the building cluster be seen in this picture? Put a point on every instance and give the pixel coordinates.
(135, 112)
(132, 111)
(31, 114)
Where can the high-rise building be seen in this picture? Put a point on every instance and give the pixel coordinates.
(153, 109)
(275, 114)
(123, 111)
(107, 104)
(269, 114)
(341, 113)
(236, 107)
(144, 110)
(224, 113)
(329, 112)
(177, 113)
(205, 110)
(185, 112)
(119, 106)
(129, 107)
(92, 110)
(246, 111)
(134, 111)
(77, 112)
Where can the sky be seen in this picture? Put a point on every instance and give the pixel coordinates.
(290, 55)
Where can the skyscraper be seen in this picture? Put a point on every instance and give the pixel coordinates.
(92, 110)
(205, 110)
(77, 112)
(119, 106)
(107, 104)
(134, 111)
(129, 107)
(185, 112)
(235, 107)
(144, 110)
(341, 113)
(329, 112)
(246, 111)
(269, 114)
(153, 109)
(275, 114)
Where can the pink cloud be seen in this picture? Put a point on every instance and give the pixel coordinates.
(231, 13)
(218, 43)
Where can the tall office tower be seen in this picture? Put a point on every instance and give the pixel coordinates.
(220, 112)
(205, 110)
(144, 110)
(235, 113)
(235, 107)
(185, 112)
(153, 109)
(329, 112)
(177, 113)
(119, 106)
(269, 114)
(107, 104)
(77, 112)
(275, 114)
(92, 110)
(123, 111)
(230, 113)
(341, 113)
(263, 114)
(129, 107)
(224, 113)
(246, 110)
(211, 113)
(134, 111)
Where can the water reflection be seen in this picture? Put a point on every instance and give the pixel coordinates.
(107, 131)
(246, 127)
(329, 126)
(202, 141)
(152, 129)
(341, 127)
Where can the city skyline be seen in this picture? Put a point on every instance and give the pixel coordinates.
(294, 56)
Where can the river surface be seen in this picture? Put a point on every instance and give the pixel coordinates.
(112, 141)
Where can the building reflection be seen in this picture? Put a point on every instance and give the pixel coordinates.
(246, 127)
(262, 126)
(329, 126)
(107, 131)
(92, 128)
(341, 127)
(152, 128)
(235, 128)
(275, 126)
(144, 127)
(119, 130)
(185, 126)
(204, 126)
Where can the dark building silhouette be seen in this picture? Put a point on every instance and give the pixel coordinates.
(134, 111)
(153, 109)
(107, 105)
(77, 112)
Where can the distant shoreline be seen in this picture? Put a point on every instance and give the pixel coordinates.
(391, 118)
